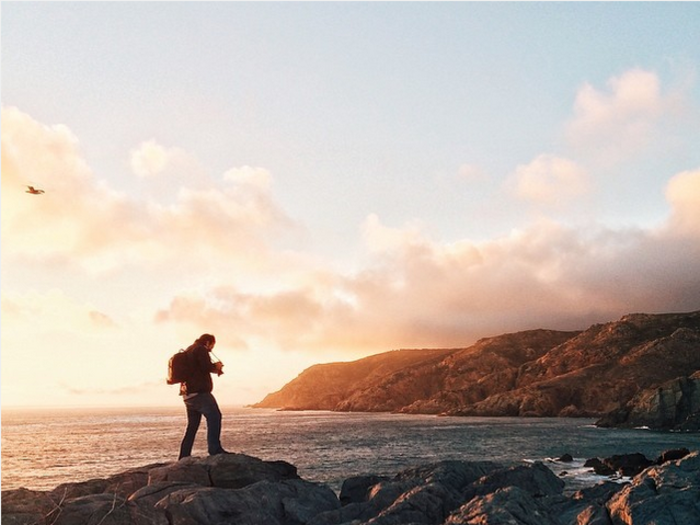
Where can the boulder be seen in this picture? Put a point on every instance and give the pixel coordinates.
(123, 484)
(672, 455)
(230, 471)
(379, 497)
(507, 506)
(207, 491)
(105, 509)
(585, 506)
(428, 504)
(592, 515)
(623, 464)
(454, 474)
(25, 507)
(287, 502)
(80, 488)
(152, 494)
(356, 489)
(669, 493)
(535, 479)
(599, 467)
(188, 470)
(424, 494)
(438, 490)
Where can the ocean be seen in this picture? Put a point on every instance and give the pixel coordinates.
(43, 448)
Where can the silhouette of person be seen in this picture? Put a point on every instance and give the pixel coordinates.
(199, 401)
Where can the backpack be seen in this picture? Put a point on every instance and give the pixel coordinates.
(179, 368)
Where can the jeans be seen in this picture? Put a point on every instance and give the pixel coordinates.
(203, 404)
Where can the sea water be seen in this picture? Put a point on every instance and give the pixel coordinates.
(43, 448)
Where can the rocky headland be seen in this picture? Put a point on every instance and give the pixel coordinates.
(642, 370)
(235, 489)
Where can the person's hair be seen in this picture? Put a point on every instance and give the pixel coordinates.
(205, 338)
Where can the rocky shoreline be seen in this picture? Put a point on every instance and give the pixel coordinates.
(244, 490)
(642, 370)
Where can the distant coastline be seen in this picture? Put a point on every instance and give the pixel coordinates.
(640, 371)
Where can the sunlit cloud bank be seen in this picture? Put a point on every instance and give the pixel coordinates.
(412, 290)
(83, 222)
(634, 113)
(203, 252)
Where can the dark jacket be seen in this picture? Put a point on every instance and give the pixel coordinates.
(202, 368)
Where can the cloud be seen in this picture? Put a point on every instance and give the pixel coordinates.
(54, 310)
(625, 119)
(417, 292)
(101, 319)
(380, 238)
(225, 275)
(81, 221)
(283, 317)
(549, 180)
(77, 214)
(151, 159)
(683, 193)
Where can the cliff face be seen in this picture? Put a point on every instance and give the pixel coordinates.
(673, 405)
(532, 373)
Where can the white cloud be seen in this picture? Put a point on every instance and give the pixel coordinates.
(380, 238)
(224, 275)
(150, 158)
(416, 292)
(626, 118)
(81, 221)
(683, 193)
(549, 180)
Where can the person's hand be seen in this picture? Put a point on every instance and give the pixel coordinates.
(219, 367)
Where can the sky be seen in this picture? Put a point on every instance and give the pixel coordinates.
(318, 182)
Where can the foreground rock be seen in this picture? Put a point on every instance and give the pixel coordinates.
(623, 367)
(669, 493)
(241, 490)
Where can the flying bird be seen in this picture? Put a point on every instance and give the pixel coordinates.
(34, 191)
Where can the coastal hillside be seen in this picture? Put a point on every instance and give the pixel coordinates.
(326, 386)
(532, 373)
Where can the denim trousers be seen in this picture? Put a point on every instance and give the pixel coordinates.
(203, 404)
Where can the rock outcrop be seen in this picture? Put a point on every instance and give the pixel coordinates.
(674, 405)
(235, 489)
(216, 489)
(620, 368)
(632, 464)
(669, 493)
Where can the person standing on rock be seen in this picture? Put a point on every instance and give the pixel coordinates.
(196, 392)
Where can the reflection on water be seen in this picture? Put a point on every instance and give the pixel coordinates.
(41, 449)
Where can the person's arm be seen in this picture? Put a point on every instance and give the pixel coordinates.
(203, 360)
